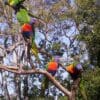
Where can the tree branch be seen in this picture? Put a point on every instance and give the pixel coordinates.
(11, 48)
(34, 71)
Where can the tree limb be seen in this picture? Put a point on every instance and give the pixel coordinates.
(11, 48)
(34, 71)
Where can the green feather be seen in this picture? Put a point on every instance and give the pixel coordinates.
(23, 17)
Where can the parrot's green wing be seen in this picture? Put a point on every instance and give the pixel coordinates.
(23, 17)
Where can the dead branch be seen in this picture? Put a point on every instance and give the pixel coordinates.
(34, 71)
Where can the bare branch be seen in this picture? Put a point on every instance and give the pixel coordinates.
(34, 71)
(11, 48)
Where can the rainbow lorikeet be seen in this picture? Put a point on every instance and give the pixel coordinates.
(51, 67)
(74, 70)
(29, 36)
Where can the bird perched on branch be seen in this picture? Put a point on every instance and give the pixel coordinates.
(52, 68)
(75, 69)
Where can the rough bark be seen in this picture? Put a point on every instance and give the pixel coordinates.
(25, 89)
(74, 89)
(18, 87)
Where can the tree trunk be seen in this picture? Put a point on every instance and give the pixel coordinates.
(25, 89)
(18, 87)
(6, 92)
(74, 89)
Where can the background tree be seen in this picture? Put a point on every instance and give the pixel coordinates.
(87, 19)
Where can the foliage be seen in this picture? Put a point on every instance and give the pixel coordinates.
(87, 19)
(90, 85)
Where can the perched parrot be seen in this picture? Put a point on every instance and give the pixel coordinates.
(51, 67)
(74, 70)
(28, 29)
(29, 36)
